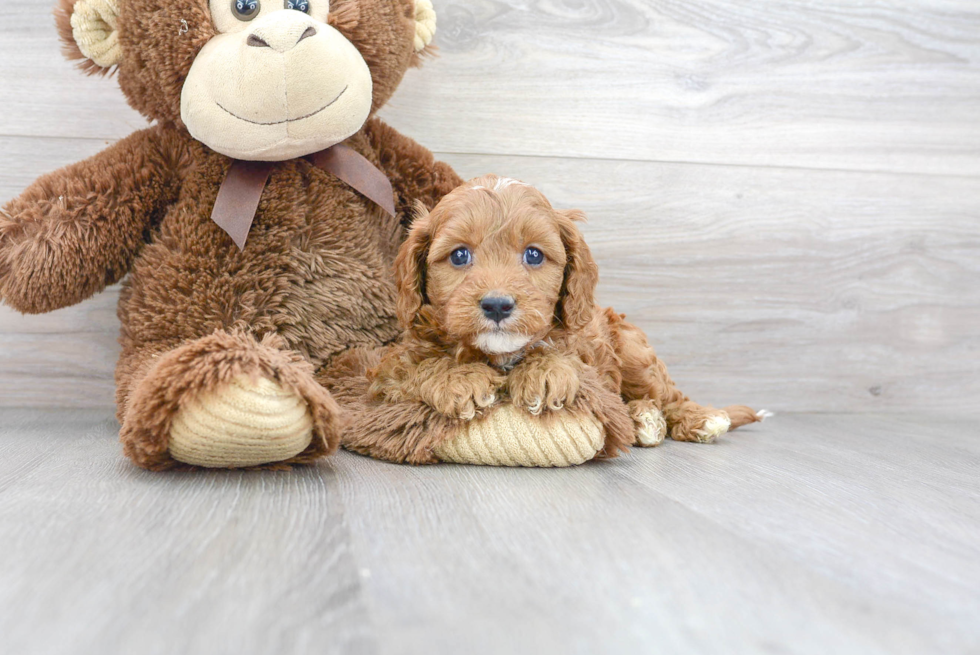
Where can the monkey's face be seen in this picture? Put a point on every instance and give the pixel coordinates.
(252, 79)
(276, 82)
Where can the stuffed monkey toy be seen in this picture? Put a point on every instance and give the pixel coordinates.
(257, 219)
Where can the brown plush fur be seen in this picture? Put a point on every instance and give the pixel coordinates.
(441, 362)
(312, 282)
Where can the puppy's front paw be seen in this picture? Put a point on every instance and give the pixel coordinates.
(544, 383)
(462, 391)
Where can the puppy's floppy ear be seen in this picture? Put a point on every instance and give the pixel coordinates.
(576, 304)
(410, 270)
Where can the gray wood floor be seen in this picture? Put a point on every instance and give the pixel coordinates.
(808, 534)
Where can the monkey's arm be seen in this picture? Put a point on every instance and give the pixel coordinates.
(414, 172)
(77, 230)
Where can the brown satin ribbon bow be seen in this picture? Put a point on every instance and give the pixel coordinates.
(240, 193)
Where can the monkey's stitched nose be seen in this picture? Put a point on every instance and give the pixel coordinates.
(257, 42)
(279, 40)
(310, 31)
(497, 308)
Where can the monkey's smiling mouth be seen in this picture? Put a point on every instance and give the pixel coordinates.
(288, 120)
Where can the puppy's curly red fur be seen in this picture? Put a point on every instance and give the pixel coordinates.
(551, 346)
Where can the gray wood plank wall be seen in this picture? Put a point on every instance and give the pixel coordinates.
(785, 196)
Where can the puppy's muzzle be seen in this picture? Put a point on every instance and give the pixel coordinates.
(497, 308)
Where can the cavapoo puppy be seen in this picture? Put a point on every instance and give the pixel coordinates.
(496, 297)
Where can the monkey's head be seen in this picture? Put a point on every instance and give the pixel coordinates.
(264, 80)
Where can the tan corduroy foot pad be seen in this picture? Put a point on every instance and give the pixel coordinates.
(512, 437)
(243, 423)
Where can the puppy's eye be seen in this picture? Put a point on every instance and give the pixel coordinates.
(460, 257)
(245, 10)
(533, 257)
(298, 5)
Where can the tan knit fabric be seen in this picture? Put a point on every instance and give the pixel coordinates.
(93, 24)
(515, 438)
(244, 423)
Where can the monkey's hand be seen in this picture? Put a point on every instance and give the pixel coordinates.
(75, 231)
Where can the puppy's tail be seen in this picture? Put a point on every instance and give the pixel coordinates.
(741, 415)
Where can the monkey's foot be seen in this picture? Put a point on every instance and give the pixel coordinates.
(228, 401)
(239, 424)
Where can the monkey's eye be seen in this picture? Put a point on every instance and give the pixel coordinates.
(245, 10)
(533, 257)
(298, 5)
(461, 257)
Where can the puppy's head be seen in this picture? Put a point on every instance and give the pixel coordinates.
(495, 267)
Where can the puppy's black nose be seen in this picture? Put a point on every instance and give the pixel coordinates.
(497, 308)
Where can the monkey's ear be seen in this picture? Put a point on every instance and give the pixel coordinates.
(425, 25)
(88, 32)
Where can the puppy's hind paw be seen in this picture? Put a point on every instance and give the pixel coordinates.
(699, 425)
(651, 426)
(712, 428)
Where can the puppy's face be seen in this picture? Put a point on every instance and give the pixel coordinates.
(495, 270)
(494, 267)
